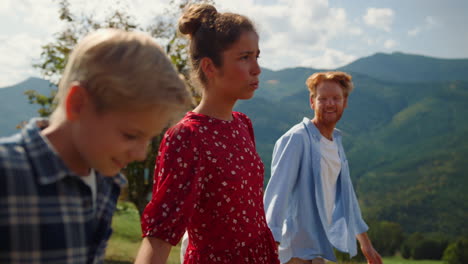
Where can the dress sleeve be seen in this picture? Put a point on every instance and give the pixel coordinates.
(176, 186)
(246, 120)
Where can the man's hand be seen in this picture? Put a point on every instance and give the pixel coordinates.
(372, 256)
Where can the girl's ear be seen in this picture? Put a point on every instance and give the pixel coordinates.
(208, 67)
(76, 100)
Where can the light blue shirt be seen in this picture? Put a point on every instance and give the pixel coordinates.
(294, 199)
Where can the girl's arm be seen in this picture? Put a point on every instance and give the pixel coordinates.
(153, 251)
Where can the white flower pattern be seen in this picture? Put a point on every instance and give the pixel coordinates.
(215, 178)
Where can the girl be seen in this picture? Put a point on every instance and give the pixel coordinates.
(208, 176)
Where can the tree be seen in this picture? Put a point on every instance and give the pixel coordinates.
(428, 249)
(386, 237)
(457, 252)
(424, 246)
(407, 248)
(54, 56)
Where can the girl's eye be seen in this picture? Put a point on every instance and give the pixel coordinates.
(129, 136)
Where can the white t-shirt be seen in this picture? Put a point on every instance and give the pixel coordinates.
(330, 170)
(90, 180)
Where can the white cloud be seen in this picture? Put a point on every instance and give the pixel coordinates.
(16, 57)
(355, 31)
(5, 6)
(415, 31)
(34, 16)
(380, 18)
(141, 10)
(390, 44)
(41, 17)
(370, 40)
(429, 23)
(329, 59)
(292, 32)
(32, 23)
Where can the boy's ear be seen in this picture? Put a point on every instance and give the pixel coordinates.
(208, 67)
(76, 100)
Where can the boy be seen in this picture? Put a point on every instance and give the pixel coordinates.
(59, 178)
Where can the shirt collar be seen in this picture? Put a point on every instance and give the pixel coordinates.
(119, 179)
(49, 166)
(313, 130)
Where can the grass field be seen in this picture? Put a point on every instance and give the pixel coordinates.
(125, 241)
(399, 260)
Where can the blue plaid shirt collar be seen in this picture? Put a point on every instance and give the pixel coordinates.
(47, 213)
(55, 169)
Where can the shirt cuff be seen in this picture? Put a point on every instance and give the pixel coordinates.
(277, 233)
(362, 227)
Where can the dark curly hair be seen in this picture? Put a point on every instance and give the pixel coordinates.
(210, 34)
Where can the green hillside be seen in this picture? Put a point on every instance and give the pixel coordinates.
(400, 67)
(415, 169)
(278, 84)
(406, 143)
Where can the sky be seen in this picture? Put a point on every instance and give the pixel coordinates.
(319, 34)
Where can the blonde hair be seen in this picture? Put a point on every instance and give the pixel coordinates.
(210, 34)
(343, 79)
(123, 70)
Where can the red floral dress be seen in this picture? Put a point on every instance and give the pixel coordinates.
(208, 180)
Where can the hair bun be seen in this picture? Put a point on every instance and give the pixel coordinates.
(195, 16)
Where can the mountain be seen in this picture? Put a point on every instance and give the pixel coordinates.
(412, 167)
(273, 83)
(400, 67)
(396, 67)
(405, 141)
(14, 104)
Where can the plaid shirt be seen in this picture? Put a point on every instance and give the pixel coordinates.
(46, 210)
